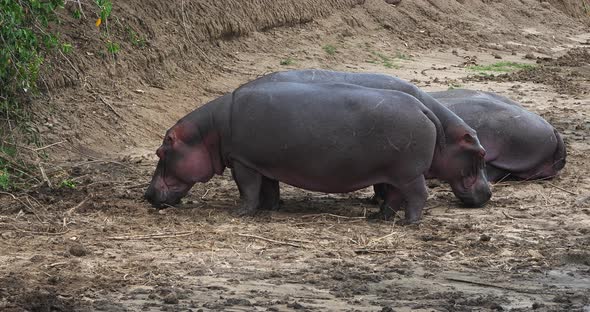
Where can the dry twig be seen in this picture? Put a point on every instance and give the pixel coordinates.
(45, 178)
(271, 240)
(525, 291)
(41, 233)
(152, 236)
(562, 189)
(508, 216)
(110, 106)
(363, 251)
(330, 215)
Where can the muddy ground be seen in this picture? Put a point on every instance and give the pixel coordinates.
(99, 247)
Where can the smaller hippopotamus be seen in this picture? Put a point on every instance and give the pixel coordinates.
(325, 137)
(519, 144)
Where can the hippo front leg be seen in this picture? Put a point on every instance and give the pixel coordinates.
(415, 194)
(249, 183)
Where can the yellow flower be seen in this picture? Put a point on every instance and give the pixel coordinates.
(98, 22)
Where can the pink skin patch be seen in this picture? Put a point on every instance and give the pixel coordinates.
(182, 165)
(193, 164)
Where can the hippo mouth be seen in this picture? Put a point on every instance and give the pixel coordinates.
(472, 174)
(163, 192)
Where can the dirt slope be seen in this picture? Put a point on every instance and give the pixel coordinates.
(99, 247)
(189, 45)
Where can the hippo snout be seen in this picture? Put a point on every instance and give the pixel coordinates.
(151, 196)
(478, 199)
(478, 196)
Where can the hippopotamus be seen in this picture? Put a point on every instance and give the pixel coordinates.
(460, 162)
(326, 137)
(519, 144)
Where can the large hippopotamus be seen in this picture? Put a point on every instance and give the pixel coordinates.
(326, 137)
(460, 162)
(519, 144)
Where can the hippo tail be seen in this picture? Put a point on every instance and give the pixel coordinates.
(560, 153)
(440, 132)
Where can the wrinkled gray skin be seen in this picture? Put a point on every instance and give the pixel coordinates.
(519, 144)
(331, 138)
(460, 162)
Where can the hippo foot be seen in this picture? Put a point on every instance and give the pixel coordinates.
(373, 200)
(405, 222)
(246, 211)
(271, 207)
(386, 213)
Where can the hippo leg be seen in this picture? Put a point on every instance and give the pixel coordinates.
(270, 194)
(380, 191)
(495, 174)
(392, 202)
(415, 194)
(249, 183)
(233, 176)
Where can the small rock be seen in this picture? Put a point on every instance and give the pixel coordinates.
(497, 56)
(387, 309)
(535, 254)
(37, 258)
(546, 5)
(394, 2)
(53, 280)
(537, 305)
(295, 305)
(8, 235)
(237, 301)
(529, 56)
(171, 298)
(78, 250)
(485, 238)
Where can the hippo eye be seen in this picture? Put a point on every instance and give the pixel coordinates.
(468, 138)
(168, 140)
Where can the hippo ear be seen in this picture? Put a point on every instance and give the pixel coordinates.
(160, 152)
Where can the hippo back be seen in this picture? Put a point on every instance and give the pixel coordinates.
(515, 139)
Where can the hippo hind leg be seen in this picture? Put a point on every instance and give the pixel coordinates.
(415, 194)
(392, 201)
(379, 193)
(270, 194)
(495, 174)
(249, 183)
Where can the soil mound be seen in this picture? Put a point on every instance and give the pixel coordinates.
(568, 74)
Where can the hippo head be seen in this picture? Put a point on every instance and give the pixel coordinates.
(461, 163)
(186, 157)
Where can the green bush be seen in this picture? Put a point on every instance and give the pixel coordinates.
(23, 41)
